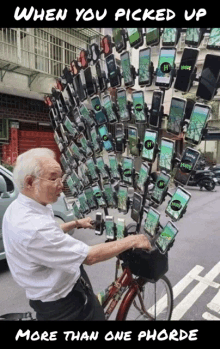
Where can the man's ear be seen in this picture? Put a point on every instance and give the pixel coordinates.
(28, 182)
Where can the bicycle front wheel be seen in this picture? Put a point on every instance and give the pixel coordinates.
(154, 302)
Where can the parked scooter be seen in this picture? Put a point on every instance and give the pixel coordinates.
(203, 179)
(216, 170)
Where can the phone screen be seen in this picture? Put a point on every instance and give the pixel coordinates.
(169, 37)
(134, 36)
(89, 81)
(101, 80)
(82, 174)
(177, 203)
(76, 212)
(160, 187)
(91, 168)
(112, 70)
(136, 207)
(165, 65)
(94, 136)
(193, 36)
(151, 222)
(133, 141)
(155, 108)
(119, 138)
(69, 126)
(186, 68)
(113, 164)
(122, 198)
(120, 228)
(98, 195)
(101, 166)
(99, 115)
(144, 67)
(90, 198)
(76, 181)
(127, 168)
(119, 40)
(64, 163)
(209, 77)
(214, 39)
(109, 194)
(165, 238)
(122, 105)
(138, 104)
(85, 113)
(142, 176)
(109, 227)
(103, 131)
(71, 186)
(78, 87)
(166, 154)
(150, 140)
(107, 104)
(152, 36)
(84, 144)
(83, 203)
(187, 164)
(75, 150)
(197, 123)
(176, 115)
(126, 69)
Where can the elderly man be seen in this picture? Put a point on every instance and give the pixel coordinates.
(43, 260)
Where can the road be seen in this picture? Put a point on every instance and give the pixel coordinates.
(194, 263)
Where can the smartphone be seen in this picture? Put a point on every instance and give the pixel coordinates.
(193, 36)
(84, 207)
(84, 143)
(166, 237)
(169, 37)
(90, 198)
(106, 44)
(69, 156)
(99, 223)
(152, 36)
(149, 145)
(136, 207)
(151, 221)
(197, 123)
(94, 135)
(71, 128)
(90, 86)
(165, 65)
(122, 105)
(160, 187)
(101, 166)
(76, 212)
(83, 176)
(107, 104)
(63, 134)
(78, 184)
(86, 115)
(98, 195)
(100, 117)
(214, 39)
(119, 39)
(100, 77)
(58, 141)
(176, 115)
(142, 177)
(78, 87)
(109, 227)
(76, 152)
(126, 69)
(109, 194)
(92, 169)
(135, 37)
(144, 74)
(71, 186)
(188, 162)
(122, 197)
(127, 169)
(113, 72)
(119, 138)
(107, 143)
(157, 101)
(52, 117)
(94, 52)
(177, 203)
(186, 69)
(113, 164)
(138, 104)
(120, 228)
(133, 140)
(167, 149)
(209, 77)
(64, 163)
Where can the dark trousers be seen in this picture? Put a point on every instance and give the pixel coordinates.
(81, 304)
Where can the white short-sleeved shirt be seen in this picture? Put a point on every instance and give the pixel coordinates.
(42, 258)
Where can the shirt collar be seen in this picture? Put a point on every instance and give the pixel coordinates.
(25, 200)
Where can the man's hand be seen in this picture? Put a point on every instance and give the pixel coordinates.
(141, 241)
(85, 223)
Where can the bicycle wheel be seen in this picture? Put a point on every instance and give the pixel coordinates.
(157, 302)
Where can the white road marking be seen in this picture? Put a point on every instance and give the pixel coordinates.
(208, 316)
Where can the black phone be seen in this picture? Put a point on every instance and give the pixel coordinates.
(167, 149)
(122, 104)
(109, 227)
(169, 37)
(107, 104)
(99, 223)
(113, 164)
(142, 176)
(90, 84)
(194, 36)
(78, 87)
(126, 69)
(135, 37)
(100, 116)
(127, 169)
(100, 77)
(133, 140)
(209, 78)
(136, 207)
(122, 197)
(176, 115)
(166, 237)
(119, 138)
(197, 123)
(139, 107)
(109, 195)
(177, 203)
(214, 39)
(186, 69)
(160, 187)
(149, 145)
(152, 36)
(119, 39)
(92, 169)
(166, 63)
(113, 71)
(144, 73)
(188, 162)
(151, 221)
(155, 112)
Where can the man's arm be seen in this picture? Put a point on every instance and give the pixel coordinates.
(80, 223)
(104, 251)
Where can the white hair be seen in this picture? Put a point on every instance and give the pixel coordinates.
(28, 163)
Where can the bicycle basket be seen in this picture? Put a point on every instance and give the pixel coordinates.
(150, 265)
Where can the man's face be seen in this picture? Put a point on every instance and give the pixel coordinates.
(45, 189)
